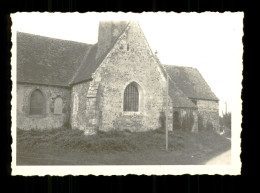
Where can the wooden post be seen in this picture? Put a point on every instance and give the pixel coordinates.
(166, 114)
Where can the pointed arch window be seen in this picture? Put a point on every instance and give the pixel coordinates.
(37, 103)
(131, 98)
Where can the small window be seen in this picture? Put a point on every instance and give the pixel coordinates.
(127, 47)
(37, 103)
(131, 98)
(58, 106)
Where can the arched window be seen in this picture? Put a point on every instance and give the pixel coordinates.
(131, 98)
(37, 103)
(58, 106)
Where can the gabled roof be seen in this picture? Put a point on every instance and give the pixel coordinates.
(94, 59)
(43, 60)
(179, 99)
(88, 66)
(190, 82)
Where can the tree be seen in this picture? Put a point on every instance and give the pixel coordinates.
(225, 120)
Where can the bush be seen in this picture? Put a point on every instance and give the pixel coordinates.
(176, 120)
(162, 121)
(225, 120)
(64, 141)
(207, 127)
(187, 122)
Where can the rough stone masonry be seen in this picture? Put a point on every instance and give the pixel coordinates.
(92, 81)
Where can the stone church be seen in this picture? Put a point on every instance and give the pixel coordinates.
(117, 83)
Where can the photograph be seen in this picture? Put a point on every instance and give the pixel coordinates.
(149, 93)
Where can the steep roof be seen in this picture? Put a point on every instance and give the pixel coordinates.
(179, 99)
(190, 82)
(95, 57)
(43, 60)
(88, 66)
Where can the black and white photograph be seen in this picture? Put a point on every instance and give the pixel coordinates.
(126, 93)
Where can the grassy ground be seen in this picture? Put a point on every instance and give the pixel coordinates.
(70, 147)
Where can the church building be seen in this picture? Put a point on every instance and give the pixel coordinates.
(116, 84)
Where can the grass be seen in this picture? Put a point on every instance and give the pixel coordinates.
(65, 146)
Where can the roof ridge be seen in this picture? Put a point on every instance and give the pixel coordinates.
(52, 38)
(191, 82)
(178, 66)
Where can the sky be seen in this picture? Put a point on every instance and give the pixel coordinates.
(210, 42)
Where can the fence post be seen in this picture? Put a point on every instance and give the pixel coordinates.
(166, 127)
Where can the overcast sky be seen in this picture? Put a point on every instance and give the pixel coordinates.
(211, 42)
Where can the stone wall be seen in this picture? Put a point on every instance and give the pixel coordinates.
(85, 113)
(107, 34)
(49, 119)
(131, 60)
(208, 113)
(79, 106)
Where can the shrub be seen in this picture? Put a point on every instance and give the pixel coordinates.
(209, 126)
(65, 140)
(225, 120)
(176, 120)
(187, 122)
(162, 121)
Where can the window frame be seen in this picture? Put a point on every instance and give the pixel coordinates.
(44, 111)
(131, 98)
(141, 93)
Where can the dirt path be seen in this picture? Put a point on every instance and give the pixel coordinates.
(222, 159)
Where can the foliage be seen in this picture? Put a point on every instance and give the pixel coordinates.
(208, 126)
(201, 126)
(187, 122)
(162, 121)
(75, 140)
(225, 120)
(176, 120)
(117, 147)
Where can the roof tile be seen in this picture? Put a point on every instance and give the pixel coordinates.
(190, 82)
(46, 60)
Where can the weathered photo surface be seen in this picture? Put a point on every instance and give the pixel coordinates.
(124, 93)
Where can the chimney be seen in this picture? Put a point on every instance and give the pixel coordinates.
(108, 32)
